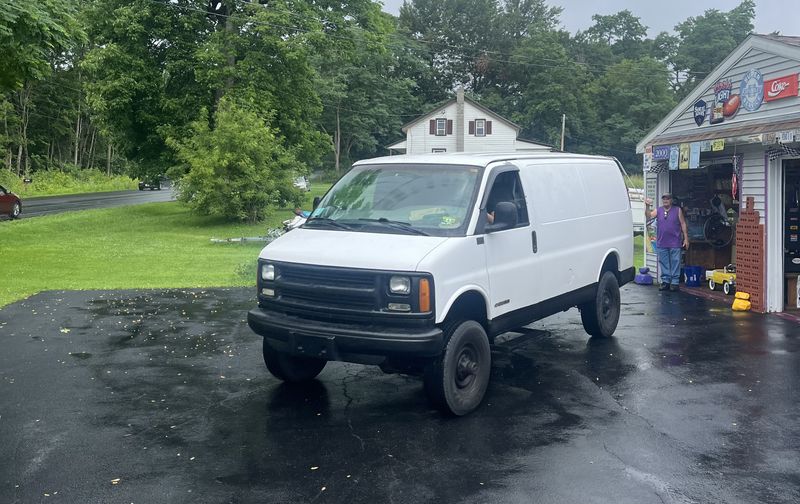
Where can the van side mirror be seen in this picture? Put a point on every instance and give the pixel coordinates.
(317, 199)
(505, 217)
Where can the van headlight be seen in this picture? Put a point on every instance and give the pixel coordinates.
(400, 285)
(268, 272)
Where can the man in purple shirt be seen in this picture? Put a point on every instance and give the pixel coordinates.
(670, 224)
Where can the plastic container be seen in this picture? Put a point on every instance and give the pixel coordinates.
(694, 275)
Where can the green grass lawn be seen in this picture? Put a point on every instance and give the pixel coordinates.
(157, 245)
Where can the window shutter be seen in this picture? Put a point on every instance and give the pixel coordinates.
(449, 126)
(472, 127)
(488, 127)
(433, 127)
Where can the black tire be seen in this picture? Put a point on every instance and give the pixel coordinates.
(712, 284)
(456, 381)
(726, 288)
(601, 316)
(15, 211)
(291, 368)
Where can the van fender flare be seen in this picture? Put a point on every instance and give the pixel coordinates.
(440, 317)
(613, 255)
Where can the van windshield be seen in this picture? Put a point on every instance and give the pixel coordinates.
(433, 200)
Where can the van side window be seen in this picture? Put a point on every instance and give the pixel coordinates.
(507, 187)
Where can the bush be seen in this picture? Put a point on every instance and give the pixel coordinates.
(71, 181)
(240, 169)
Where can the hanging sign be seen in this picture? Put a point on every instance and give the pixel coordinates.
(683, 164)
(718, 145)
(694, 155)
(647, 162)
(673, 157)
(705, 146)
(726, 104)
(700, 111)
(782, 87)
(786, 136)
(661, 153)
(751, 90)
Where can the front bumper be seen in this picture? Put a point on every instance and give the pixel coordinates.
(337, 341)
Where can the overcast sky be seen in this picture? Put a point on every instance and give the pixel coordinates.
(658, 16)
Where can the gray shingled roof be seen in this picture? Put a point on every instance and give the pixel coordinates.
(786, 39)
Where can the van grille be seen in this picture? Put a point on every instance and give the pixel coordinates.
(319, 287)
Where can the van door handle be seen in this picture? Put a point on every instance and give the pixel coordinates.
(534, 243)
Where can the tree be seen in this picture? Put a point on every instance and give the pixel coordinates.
(31, 31)
(458, 33)
(633, 96)
(551, 85)
(240, 168)
(704, 41)
(364, 87)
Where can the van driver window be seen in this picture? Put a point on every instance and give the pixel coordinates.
(507, 187)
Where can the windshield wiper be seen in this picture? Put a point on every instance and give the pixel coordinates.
(328, 222)
(405, 226)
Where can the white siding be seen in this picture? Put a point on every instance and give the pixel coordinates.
(418, 137)
(420, 141)
(771, 66)
(502, 139)
(754, 179)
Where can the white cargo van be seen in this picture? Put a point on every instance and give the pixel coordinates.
(415, 263)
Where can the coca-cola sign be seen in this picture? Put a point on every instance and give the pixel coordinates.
(782, 87)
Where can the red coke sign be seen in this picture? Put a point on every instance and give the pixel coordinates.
(782, 87)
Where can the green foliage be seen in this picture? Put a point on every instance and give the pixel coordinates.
(707, 39)
(240, 169)
(72, 181)
(118, 84)
(31, 32)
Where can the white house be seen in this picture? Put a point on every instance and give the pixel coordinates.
(462, 125)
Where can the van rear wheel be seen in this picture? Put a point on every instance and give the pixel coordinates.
(291, 368)
(601, 316)
(456, 381)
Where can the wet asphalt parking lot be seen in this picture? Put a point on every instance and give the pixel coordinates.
(162, 396)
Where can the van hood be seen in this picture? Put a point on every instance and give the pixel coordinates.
(381, 251)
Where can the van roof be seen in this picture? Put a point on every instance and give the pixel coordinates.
(481, 159)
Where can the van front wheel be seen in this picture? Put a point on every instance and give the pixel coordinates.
(456, 381)
(290, 368)
(600, 317)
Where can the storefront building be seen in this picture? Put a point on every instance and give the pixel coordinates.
(730, 155)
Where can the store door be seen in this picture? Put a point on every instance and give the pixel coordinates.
(791, 234)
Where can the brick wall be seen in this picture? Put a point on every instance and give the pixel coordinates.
(750, 253)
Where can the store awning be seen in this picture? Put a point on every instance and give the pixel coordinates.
(749, 132)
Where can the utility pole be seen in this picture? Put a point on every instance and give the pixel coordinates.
(563, 127)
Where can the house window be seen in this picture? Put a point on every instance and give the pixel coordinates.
(441, 127)
(438, 150)
(480, 127)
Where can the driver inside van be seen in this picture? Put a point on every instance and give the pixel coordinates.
(502, 190)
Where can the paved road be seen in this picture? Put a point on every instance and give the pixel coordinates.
(33, 207)
(165, 393)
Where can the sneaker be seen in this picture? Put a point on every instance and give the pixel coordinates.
(674, 288)
(664, 286)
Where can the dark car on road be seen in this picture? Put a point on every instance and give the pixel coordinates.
(10, 204)
(152, 184)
